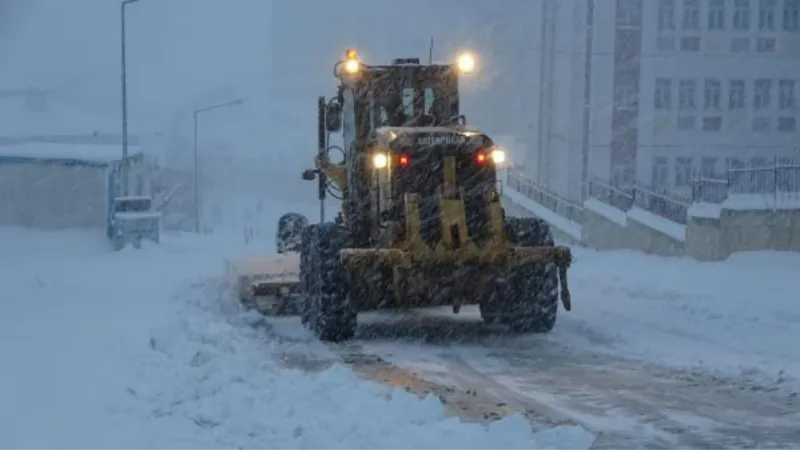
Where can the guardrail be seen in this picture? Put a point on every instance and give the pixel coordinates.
(661, 204)
(779, 180)
(609, 194)
(648, 199)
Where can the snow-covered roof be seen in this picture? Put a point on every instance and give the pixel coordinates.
(17, 120)
(90, 153)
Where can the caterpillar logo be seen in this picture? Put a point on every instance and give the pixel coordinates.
(447, 139)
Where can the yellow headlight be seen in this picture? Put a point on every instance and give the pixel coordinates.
(380, 160)
(352, 66)
(466, 63)
(498, 156)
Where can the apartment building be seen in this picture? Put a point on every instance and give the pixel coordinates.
(672, 88)
(719, 86)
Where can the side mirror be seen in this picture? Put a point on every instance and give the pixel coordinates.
(333, 117)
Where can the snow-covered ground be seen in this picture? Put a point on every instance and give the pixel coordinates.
(138, 349)
(741, 315)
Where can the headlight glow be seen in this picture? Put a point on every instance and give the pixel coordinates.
(380, 160)
(352, 66)
(466, 63)
(498, 156)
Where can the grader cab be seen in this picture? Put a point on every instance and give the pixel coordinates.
(421, 222)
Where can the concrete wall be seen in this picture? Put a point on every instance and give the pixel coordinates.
(743, 230)
(707, 238)
(601, 233)
(52, 196)
(604, 233)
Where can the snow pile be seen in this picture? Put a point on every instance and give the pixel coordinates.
(704, 210)
(567, 226)
(740, 315)
(611, 213)
(141, 349)
(746, 202)
(757, 202)
(223, 381)
(672, 229)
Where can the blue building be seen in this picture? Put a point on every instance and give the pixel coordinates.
(57, 186)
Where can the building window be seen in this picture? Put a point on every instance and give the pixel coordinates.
(683, 171)
(686, 123)
(625, 95)
(791, 15)
(786, 98)
(787, 124)
(686, 94)
(665, 43)
(690, 44)
(691, 14)
(666, 14)
(628, 14)
(740, 45)
(761, 124)
(762, 94)
(660, 172)
(736, 95)
(766, 15)
(766, 45)
(713, 123)
(716, 15)
(663, 99)
(741, 15)
(713, 94)
(708, 168)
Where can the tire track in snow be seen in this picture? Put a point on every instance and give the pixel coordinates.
(628, 404)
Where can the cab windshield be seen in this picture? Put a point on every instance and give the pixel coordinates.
(420, 96)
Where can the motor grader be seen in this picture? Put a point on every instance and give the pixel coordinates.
(421, 221)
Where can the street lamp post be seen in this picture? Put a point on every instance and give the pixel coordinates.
(197, 112)
(123, 4)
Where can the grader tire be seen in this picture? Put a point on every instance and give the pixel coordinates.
(526, 298)
(327, 310)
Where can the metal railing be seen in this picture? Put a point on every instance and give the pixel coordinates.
(661, 204)
(709, 190)
(780, 180)
(563, 207)
(658, 202)
(609, 194)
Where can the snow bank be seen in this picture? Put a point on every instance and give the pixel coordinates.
(222, 376)
(705, 210)
(615, 215)
(741, 202)
(141, 349)
(741, 315)
(571, 228)
(666, 226)
(83, 152)
(769, 201)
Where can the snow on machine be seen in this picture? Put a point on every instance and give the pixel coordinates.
(270, 283)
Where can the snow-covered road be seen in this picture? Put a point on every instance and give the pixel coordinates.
(657, 352)
(148, 349)
(139, 349)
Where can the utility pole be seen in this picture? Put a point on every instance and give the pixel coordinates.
(125, 168)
